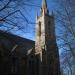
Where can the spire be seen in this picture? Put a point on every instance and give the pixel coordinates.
(44, 4)
(44, 7)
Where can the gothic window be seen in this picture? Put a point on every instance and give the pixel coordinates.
(37, 63)
(49, 24)
(39, 29)
(14, 65)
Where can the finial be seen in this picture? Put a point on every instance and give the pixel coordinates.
(36, 15)
(52, 13)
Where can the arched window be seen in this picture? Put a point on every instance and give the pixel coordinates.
(39, 28)
(49, 26)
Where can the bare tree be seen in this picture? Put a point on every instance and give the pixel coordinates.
(11, 14)
(65, 19)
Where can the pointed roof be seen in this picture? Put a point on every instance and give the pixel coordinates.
(44, 4)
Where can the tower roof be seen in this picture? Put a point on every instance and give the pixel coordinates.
(44, 4)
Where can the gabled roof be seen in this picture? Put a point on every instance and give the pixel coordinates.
(23, 44)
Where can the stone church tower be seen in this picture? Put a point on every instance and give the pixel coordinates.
(46, 49)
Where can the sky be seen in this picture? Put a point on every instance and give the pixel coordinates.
(31, 15)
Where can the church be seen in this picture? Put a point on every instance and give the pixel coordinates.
(20, 56)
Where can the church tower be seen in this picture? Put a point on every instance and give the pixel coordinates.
(45, 44)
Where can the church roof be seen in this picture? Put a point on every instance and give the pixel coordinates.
(23, 44)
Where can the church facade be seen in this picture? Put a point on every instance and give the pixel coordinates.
(45, 55)
(27, 57)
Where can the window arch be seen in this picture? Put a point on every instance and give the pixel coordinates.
(49, 26)
(39, 28)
